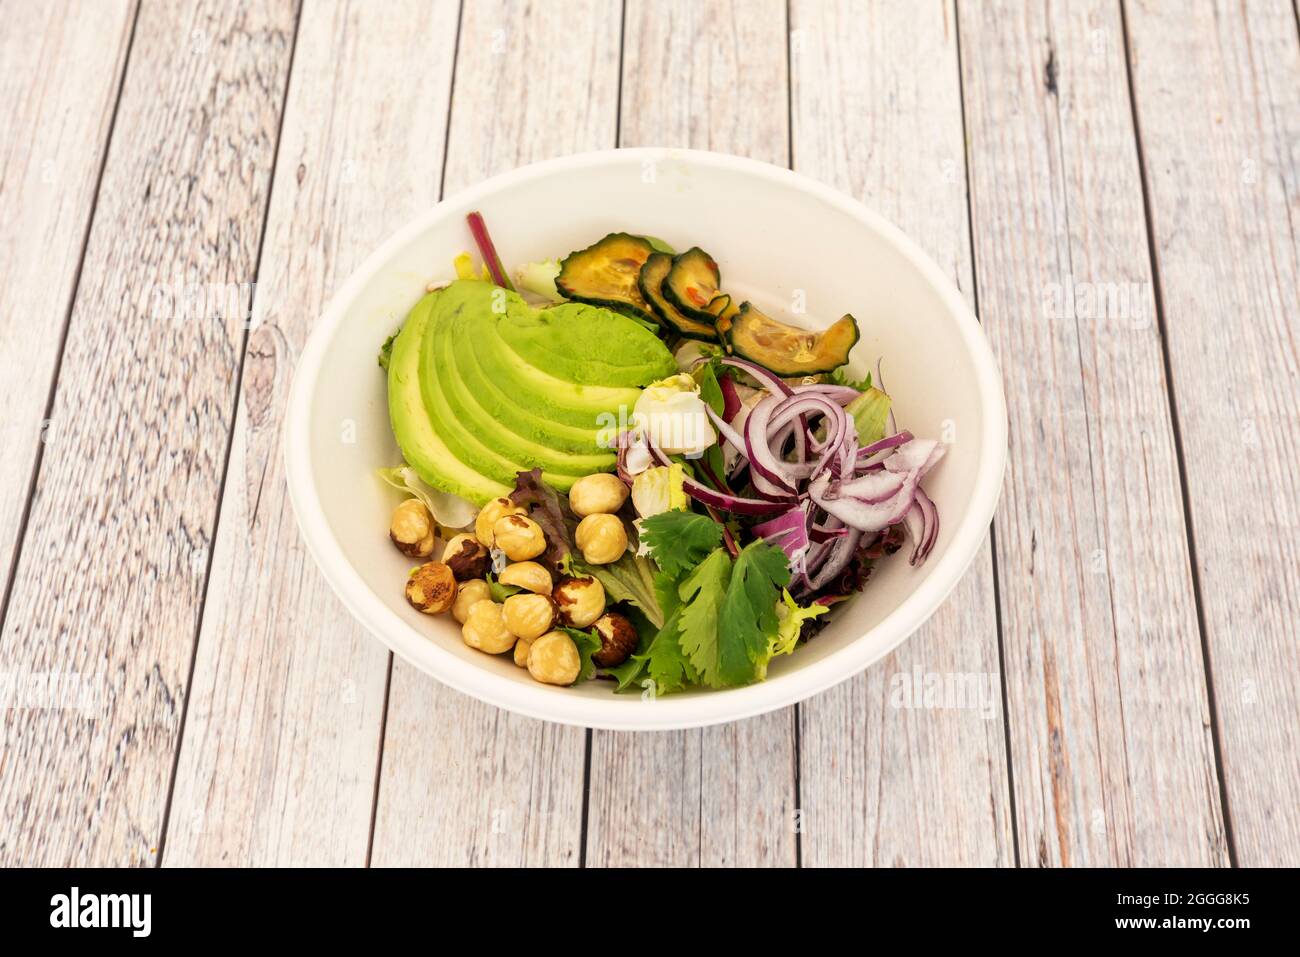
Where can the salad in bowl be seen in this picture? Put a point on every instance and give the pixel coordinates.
(615, 468)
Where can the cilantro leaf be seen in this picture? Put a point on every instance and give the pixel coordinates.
(702, 594)
(678, 541)
(747, 615)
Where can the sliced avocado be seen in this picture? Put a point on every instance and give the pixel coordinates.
(458, 435)
(587, 345)
(561, 401)
(441, 338)
(421, 446)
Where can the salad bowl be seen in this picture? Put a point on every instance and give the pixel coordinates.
(785, 242)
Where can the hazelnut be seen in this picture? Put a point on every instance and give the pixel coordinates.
(602, 539)
(528, 616)
(466, 595)
(579, 601)
(488, 515)
(467, 558)
(527, 575)
(485, 629)
(412, 529)
(594, 494)
(521, 652)
(519, 537)
(431, 588)
(553, 659)
(618, 639)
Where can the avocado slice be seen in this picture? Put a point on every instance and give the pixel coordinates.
(457, 435)
(474, 433)
(587, 345)
(421, 446)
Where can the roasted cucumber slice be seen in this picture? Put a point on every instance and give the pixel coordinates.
(651, 284)
(693, 283)
(606, 274)
(787, 350)
(724, 311)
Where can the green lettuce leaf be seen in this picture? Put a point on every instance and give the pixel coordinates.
(630, 579)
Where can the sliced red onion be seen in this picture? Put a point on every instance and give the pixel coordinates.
(732, 503)
(841, 553)
(873, 487)
(634, 456)
(842, 394)
(789, 532)
(723, 425)
(923, 526)
(767, 471)
(918, 455)
(862, 515)
(770, 380)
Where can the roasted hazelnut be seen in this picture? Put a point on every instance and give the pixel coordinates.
(488, 515)
(466, 595)
(529, 576)
(412, 529)
(528, 616)
(485, 629)
(602, 539)
(553, 659)
(467, 558)
(519, 537)
(595, 494)
(618, 639)
(579, 601)
(521, 652)
(431, 588)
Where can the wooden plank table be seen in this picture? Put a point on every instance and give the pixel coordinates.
(1115, 187)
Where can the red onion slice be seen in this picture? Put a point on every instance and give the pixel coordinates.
(861, 515)
(770, 380)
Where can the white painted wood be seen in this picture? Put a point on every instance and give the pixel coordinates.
(710, 77)
(1217, 93)
(110, 577)
(1112, 757)
(282, 739)
(883, 783)
(464, 782)
(59, 82)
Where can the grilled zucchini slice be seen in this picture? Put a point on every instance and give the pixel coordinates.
(789, 351)
(606, 274)
(651, 281)
(693, 283)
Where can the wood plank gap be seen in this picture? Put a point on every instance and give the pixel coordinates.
(1180, 456)
(993, 538)
(230, 441)
(11, 575)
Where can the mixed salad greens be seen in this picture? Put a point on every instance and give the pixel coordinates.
(637, 478)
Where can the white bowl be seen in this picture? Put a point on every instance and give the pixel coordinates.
(778, 238)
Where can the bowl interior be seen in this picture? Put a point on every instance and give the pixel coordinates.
(798, 251)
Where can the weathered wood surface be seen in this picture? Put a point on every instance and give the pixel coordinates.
(110, 578)
(881, 783)
(1112, 757)
(464, 782)
(59, 79)
(284, 728)
(721, 796)
(1217, 93)
(1146, 614)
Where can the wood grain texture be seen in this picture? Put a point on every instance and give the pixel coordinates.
(881, 783)
(464, 782)
(1217, 94)
(282, 738)
(60, 75)
(110, 577)
(1113, 759)
(721, 796)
